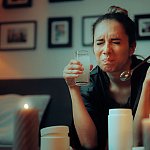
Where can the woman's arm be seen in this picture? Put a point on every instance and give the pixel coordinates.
(84, 125)
(143, 110)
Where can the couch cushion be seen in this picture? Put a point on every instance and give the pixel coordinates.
(59, 110)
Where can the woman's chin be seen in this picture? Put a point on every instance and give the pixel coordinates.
(108, 69)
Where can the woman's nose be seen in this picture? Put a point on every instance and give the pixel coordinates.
(107, 49)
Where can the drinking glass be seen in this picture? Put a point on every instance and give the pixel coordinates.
(84, 58)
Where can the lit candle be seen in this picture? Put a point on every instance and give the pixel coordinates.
(146, 133)
(26, 129)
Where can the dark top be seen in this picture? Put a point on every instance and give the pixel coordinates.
(98, 101)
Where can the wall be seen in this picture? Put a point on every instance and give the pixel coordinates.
(46, 62)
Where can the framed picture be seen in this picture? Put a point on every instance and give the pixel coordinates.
(52, 1)
(18, 35)
(60, 32)
(87, 23)
(17, 3)
(143, 26)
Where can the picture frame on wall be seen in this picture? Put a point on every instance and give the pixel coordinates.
(53, 1)
(87, 23)
(18, 35)
(59, 32)
(142, 26)
(17, 3)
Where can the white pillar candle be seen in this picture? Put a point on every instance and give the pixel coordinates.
(146, 133)
(26, 129)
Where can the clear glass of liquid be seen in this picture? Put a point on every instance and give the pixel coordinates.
(84, 58)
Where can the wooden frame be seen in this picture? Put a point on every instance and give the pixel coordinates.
(17, 3)
(87, 22)
(60, 32)
(53, 1)
(142, 27)
(18, 35)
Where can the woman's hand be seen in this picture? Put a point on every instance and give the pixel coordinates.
(72, 71)
(147, 78)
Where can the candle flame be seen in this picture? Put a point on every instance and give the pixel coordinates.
(26, 106)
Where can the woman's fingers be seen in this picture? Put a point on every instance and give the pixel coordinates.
(74, 67)
(72, 71)
(91, 67)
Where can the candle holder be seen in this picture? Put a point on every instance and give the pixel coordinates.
(55, 138)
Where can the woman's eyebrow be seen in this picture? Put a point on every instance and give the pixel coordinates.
(100, 40)
(118, 39)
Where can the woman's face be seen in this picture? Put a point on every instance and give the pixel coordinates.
(111, 46)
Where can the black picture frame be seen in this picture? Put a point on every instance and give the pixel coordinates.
(142, 26)
(53, 1)
(59, 32)
(18, 35)
(87, 22)
(8, 4)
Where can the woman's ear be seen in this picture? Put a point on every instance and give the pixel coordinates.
(132, 48)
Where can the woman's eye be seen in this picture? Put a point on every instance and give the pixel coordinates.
(116, 42)
(99, 43)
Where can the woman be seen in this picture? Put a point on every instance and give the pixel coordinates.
(114, 44)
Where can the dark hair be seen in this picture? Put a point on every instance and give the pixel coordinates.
(120, 15)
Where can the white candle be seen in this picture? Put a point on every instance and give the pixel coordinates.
(146, 133)
(26, 129)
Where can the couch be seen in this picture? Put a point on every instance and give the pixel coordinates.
(58, 110)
